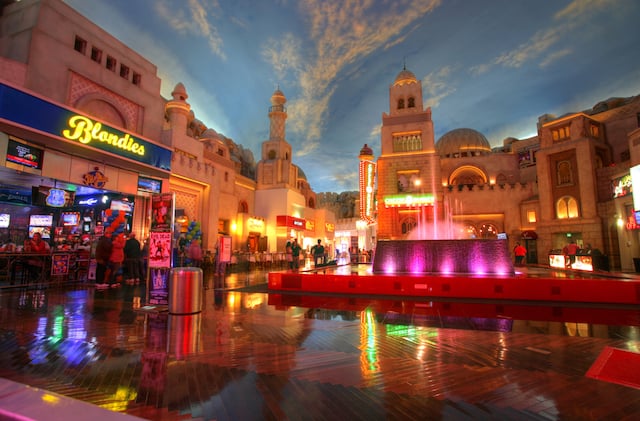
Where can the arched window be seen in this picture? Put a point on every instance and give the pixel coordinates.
(271, 154)
(407, 225)
(400, 103)
(243, 207)
(564, 173)
(567, 207)
(411, 103)
(312, 203)
(488, 231)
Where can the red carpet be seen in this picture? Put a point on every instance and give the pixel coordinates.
(617, 366)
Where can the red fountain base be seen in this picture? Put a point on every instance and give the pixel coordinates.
(520, 287)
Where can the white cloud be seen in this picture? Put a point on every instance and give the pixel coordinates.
(341, 31)
(195, 21)
(555, 56)
(438, 85)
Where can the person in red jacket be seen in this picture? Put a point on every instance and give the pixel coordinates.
(116, 259)
(520, 253)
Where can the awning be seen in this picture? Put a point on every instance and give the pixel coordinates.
(529, 235)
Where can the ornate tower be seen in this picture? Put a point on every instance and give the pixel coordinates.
(409, 182)
(275, 169)
(367, 175)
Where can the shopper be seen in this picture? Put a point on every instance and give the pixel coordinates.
(318, 253)
(103, 253)
(116, 259)
(133, 259)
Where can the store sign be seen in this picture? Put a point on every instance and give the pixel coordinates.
(255, 225)
(30, 111)
(310, 225)
(329, 227)
(95, 178)
(23, 154)
(85, 131)
(408, 200)
(290, 222)
(367, 173)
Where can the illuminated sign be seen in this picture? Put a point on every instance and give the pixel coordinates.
(424, 199)
(56, 198)
(254, 224)
(29, 111)
(290, 222)
(329, 227)
(635, 180)
(310, 225)
(367, 173)
(85, 130)
(88, 202)
(621, 186)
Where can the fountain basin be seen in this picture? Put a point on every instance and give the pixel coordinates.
(476, 256)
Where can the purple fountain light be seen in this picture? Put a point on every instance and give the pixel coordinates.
(473, 256)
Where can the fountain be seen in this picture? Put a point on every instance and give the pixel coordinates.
(472, 256)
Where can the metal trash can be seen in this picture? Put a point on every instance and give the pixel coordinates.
(185, 290)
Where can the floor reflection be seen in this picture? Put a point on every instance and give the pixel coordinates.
(278, 350)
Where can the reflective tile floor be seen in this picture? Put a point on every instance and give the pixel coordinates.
(250, 355)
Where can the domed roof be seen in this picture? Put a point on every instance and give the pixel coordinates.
(278, 98)
(301, 173)
(366, 150)
(179, 92)
(405, 77)
(463, 142)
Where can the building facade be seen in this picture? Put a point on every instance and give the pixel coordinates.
(570, 183)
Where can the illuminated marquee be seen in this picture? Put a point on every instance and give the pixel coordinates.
(367, 180)
(409, 200)
(254, 224)
(85, 130)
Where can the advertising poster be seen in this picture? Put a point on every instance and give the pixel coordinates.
(160, 250)
(162, 212)
(59, 264)
(225, 249)
(159, 286)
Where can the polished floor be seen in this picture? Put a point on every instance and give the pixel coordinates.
(250, 355)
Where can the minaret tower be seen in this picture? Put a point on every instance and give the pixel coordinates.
(275, 169)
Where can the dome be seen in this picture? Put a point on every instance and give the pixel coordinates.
(301, 174)
(405, 77)
(278, 98)
(179, 92)
(463, 142)
(366, 150)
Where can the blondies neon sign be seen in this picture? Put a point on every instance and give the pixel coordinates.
(85, 131)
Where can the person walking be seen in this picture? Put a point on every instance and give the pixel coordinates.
(116, 259)
(289, 253)
(102, 254)
(295, 253)
(133, 259)
(318, 253)
(520, 251)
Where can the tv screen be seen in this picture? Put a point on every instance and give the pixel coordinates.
(45, 232)
(23, 154)
(41, 220)
(4, 220)
(121, 205)
(70, 219)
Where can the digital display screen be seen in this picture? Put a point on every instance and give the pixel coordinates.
(70, 219)
(149, 184)
(4, 220)
(45, 232)
(41, 220)
(20, 153)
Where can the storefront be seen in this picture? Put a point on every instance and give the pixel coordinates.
(74, 174)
